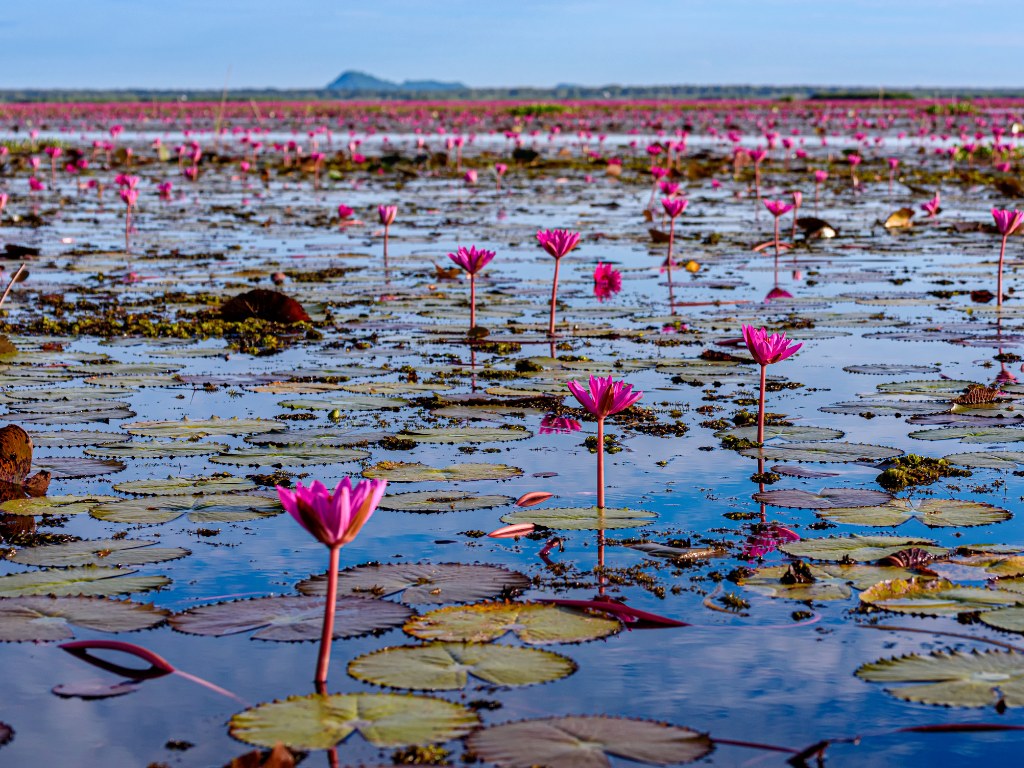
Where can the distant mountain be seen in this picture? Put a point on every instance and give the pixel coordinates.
(360, 81)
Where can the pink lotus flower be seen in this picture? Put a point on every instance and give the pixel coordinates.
(557, 242)
(674, 206)
(471, 177)
(854, 160)
(387, 214)
(932, 206)
(607, 281)
(1007, 222)
(768, 349)
(344, 211)
(472, 259)
(3, 201)
(334, 520)
(603, 398)
(777, 207)
(130, 196)
(164, 189)
(500, 169)
(35, 184)
(820, 177)
(669, 188)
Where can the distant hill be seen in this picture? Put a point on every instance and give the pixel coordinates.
(361, 82)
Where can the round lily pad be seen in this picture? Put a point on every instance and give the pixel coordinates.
(532, 623)
(383, 719)
(393, 388)
(825, 452)
(289, 456)
(953, 678)
(826, 498)
(464, 434)
(181, 486)
(290, 618)
(587, 742)
(887, 407)
(422, 583)
(155, 450)
(819, 581)
(933, 387)
(79, 580)
(350, 403)
(74, 438)
(794, 432)
(971, 434)
(54, 505)
(1006, 460)
(861, 549)
(39, 619)
(66, 467)
(935, 513)
(412, 472)
(581, 518)
(448, 666)
(215, 508)
(893, 369)
(202, 427)
(1008, 619)
(935, 597)
(442, 501)
(111, 552)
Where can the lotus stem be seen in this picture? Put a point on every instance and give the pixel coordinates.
(999, 274)
(760, 406)
(554, 295)
(327, 633)
(600, 463)
(472, 301)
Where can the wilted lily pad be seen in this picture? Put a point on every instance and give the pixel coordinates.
(442, 501)
(412, 472)
(532, 623)
(80, 580)
(818, 582)
(935, 513)
(861, 549)
(38, 619)
(953, 678)
(215, 508)
(422, 583)
(447, 666)
(289, 618)
(587, 742)
(54, 505)
(581, 518)
(826, 452)
(182, 486)
(110, 552)
(383, 719)
(202, 427)
(935, 597)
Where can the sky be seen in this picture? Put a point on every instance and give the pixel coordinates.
(306, 43)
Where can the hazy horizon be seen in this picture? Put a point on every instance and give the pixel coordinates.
(121, 44)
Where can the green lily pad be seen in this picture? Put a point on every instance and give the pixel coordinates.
(413, 472)
(394, 388)
(203, 427)
(971, 434)
(442, 501)
(532, 623)
(289, 456)
(448, 666)
(587, 742)
(861, 549)
(64, 467)
(887, 407)
(155, 450)
(353, 403)
(932, 387)
(935, 513)
(111, 552)
(465, 434)
(134, 380)
(181, 486)
(935, 597)
(953, 678)
(826, 498)
(1006, 460)
(81, 580)
(41, 619)
(1008, 619)
(421, 583)
(215, 508)
(795, 432)
(54, 505)
(893, 369)
(581, 518)
(383, 719)
(290, 618)
(829, 582)
(1009, 412)
(824, 452)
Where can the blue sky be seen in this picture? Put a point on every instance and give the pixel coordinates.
(306, 43)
